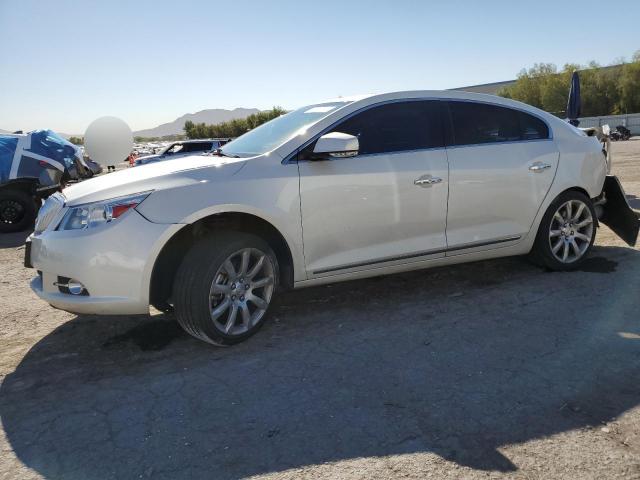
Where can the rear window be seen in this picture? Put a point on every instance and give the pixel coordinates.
(480, 123)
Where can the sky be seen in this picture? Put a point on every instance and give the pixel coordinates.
(66, 63)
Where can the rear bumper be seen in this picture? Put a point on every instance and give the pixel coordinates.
(617, 213)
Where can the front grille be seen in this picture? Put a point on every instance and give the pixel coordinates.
(49, 211)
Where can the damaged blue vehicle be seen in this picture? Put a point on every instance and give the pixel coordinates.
(32, 167)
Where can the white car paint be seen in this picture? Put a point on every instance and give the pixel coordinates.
(341, 219)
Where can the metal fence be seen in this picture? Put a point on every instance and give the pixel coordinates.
(631, 121)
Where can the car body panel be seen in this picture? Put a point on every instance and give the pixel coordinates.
(493, 193)
(617, 213)
(367, 209)
(114, 262)
(162, 176)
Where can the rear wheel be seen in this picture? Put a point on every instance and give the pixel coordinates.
(17, 210)
(224, 287)
(566, 233)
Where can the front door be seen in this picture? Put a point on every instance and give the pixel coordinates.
(385, 206)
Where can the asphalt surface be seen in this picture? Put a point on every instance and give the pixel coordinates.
(493, 369)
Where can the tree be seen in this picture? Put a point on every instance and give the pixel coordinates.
(604, 91)
(232, 128)
(629, 87)
(77, 140)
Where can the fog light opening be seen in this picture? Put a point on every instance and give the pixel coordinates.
(71, 286)
(75, 287)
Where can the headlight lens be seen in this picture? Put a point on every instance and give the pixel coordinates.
(92, 215)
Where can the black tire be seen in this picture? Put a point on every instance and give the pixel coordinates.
(17, 210)
(192, 286)
(541, 254)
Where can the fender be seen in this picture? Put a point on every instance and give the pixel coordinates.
(295, 245)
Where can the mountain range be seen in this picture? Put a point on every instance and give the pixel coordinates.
(209, 116)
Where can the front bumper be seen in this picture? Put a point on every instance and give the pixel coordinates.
(113, 262)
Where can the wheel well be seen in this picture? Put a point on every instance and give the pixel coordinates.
(173, 252)
(578, 189)
(26, 185)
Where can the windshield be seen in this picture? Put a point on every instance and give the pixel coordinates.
(277, 131)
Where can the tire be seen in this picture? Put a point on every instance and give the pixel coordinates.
(17, 210)
(205, 283)
(566, 233)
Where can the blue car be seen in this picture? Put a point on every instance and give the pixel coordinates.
(32, 167)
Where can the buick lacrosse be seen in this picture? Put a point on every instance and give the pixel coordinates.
(339, 190)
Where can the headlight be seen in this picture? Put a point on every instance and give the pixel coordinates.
(91, 215)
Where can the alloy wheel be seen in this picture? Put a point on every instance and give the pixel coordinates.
(571, 231)
(241, 291)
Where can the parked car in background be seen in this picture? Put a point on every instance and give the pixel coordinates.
(32, 167)
(182, 149)
(620, 133)
(363, 186)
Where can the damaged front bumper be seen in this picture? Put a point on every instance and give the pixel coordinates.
(614, 211)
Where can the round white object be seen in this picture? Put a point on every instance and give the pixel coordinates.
(108, 140)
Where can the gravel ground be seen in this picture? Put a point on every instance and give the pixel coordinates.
(493, 369)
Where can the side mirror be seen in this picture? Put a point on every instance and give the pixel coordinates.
(336, 145)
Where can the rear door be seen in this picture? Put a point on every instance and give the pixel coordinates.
(368, 211)
(502, 162)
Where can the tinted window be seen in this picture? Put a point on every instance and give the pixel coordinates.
(196, 147)
(532, 128)
(475, 123)
(396, 127)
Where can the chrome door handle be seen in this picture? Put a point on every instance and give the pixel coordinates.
(539, 167)
(427, 180)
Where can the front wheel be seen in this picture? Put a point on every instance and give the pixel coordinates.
(17, 210)
(566, 233)
(224, 287)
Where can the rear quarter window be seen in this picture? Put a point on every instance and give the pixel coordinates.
(532, 128)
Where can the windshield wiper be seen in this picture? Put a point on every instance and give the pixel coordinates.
(220, 153)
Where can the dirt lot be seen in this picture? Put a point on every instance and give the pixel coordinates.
(489, 370)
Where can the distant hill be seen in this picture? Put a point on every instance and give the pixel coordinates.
(210, 116)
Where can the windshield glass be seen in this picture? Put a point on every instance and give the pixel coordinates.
(277, 131)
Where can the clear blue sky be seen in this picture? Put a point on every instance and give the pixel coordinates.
(65, 63)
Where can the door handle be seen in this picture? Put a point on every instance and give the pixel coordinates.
(539, 167)
(427, 180)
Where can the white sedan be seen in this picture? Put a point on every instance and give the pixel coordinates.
(339, 190)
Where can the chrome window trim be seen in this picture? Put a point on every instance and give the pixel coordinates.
(289, 158)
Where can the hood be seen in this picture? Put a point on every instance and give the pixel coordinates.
(155, 176)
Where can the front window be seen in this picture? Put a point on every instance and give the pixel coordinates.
(269, 135)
